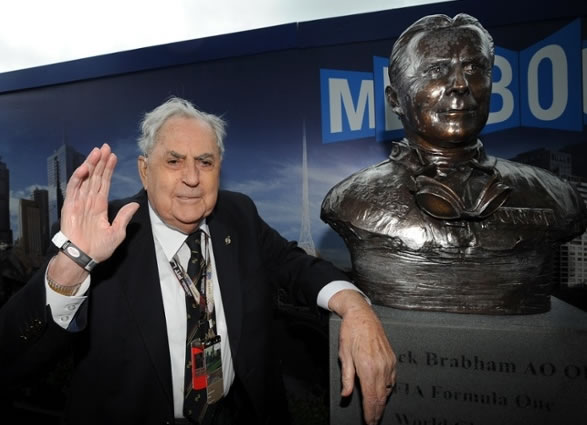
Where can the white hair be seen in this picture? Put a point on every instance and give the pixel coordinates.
(177, 107)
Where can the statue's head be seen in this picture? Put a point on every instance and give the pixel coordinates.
(440, 80)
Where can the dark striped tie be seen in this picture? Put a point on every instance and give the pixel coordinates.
(197, 326)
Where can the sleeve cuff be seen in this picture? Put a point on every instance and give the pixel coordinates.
(63, 307)
(332, 288)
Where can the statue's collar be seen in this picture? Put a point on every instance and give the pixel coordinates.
(454, 183)
(441, 158)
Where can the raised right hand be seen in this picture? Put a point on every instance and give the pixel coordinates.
(84, 216)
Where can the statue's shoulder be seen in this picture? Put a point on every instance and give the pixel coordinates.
(376, 181)
(542, 183)
(376, 175)
(366, 183)
(524, 173)
(370, 198)
(535, 187)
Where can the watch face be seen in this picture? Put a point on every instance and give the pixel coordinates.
(74, 252)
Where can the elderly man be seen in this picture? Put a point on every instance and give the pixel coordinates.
(166, 297)
(441, 225)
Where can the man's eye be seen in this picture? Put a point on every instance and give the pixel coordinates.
(205, 163)
(172, 162)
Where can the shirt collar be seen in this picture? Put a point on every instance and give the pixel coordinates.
(170, 239)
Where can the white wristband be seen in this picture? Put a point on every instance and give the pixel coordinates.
(72, 251)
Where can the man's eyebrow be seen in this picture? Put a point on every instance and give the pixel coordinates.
(176, 155)
(206, 155)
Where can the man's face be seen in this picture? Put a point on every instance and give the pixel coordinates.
(182, 173)
(443, 97)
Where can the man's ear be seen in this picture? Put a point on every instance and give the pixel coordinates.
(142, 166)
(392, 99)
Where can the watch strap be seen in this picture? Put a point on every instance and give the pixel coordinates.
(72, 251)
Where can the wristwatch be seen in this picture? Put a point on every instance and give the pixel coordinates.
(72, 251)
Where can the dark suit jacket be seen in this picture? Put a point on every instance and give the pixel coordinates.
(122, 366)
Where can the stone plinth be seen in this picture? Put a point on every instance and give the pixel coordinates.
(478, 370)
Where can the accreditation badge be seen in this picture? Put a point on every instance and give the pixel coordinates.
(213, 362)
(207, 368)
(198, 366)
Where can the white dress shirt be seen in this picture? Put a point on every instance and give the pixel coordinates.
(168, 243)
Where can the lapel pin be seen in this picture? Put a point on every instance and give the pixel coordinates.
(227, 240)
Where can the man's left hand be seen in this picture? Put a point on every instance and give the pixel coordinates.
(364, 351)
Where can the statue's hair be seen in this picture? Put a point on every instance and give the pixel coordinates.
(398, 60)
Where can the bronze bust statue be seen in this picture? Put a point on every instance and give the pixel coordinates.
(440, 225)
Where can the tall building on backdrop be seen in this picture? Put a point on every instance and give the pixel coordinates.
(573, 255)
(570, 265)
(305, 240)
(34, 229)
(41, 198)
(5, 231)
(30, 228)
(60, 167)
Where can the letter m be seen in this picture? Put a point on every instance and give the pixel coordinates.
(348, 105)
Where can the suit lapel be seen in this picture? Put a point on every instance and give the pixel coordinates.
(142, 289)
(226, 247)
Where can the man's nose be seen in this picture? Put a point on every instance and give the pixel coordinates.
(191, 175)
(458, 80)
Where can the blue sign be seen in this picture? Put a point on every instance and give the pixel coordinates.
(348, 105)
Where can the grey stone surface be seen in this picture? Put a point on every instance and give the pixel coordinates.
(477, 369)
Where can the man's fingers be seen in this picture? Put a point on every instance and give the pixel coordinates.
(75, 181)
(373, 409)
(376, 389)
(107, 175)
(367, 353)
(123, 218)
(95, 180)
(97, 174)
(348, 376)
(80, 176)
(376, 392)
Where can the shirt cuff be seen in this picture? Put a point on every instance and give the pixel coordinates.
(334, 287)
(64, 307)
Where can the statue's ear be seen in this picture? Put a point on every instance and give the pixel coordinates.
(392, 99)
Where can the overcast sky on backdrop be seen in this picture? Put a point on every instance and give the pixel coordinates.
(37, 32)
